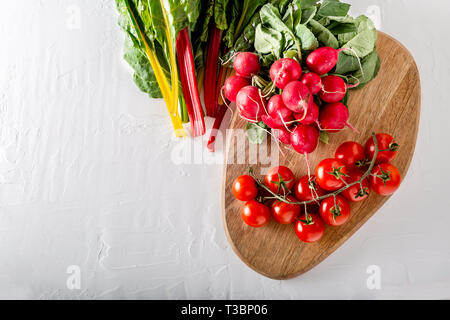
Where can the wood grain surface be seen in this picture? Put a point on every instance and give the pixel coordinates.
(390, 103)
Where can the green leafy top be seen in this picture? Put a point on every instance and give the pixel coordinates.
(151, 17)
(220, 14)
(207, 14)
(304, 25)
(134, 51)
(256, 132)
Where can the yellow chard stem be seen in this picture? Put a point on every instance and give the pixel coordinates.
(173, 109)
(170, 95)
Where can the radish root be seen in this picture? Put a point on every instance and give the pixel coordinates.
(229, 59)
(225, 101)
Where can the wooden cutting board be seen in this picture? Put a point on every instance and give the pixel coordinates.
(390, 103)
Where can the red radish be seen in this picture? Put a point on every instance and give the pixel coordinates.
(334, 116)
(284, 71)
(312, 81)
(276, 107)
(333, 89)
(246, 64)
(304, 139)
(233, 85)
(278, 114)
(250, 104)
(323, 60)
(271, 122)
(283, 135)
(297, 97)
(311, 116)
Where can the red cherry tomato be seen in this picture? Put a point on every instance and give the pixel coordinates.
(330, 174)
(280, 179)
(255, 214)
(334, 215)
(355, 193)
(309, 230)
(385, 142)
(306, 189)
(351, 154)
(244, 188)
(385, 179)
(285, 213)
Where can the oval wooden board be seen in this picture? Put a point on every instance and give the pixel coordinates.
(390, 103)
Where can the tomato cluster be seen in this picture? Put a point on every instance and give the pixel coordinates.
(324, 198)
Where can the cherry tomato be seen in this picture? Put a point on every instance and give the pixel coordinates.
(385, 142)
(285, 213)
(351, 154)
(244, 188)
(309, 230)
(255, 214)
(334, 215)
(306, 189)
(355, 193)
(385, 179)
(330, 174)
(280, 179)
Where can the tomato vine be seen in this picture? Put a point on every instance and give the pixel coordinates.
(283, 198)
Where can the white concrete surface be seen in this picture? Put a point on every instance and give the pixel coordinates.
(86, 177)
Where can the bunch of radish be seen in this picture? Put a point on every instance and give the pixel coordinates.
(302, 102)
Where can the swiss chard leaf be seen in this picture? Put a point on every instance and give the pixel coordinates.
(235, 9)
(208, 14)
(249, 8)
(134, 51)
(144, 77)
(148, 25)
(220, 14)
(199, 53)
(242, 13)
(246, 38)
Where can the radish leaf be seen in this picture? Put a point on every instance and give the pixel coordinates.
(256, 132)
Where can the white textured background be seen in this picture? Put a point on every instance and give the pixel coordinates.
(86, 177)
